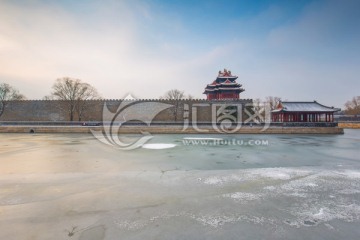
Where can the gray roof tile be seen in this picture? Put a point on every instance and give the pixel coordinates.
(305, 107)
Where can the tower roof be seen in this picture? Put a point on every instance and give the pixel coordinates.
(224, 86)
(304, 107)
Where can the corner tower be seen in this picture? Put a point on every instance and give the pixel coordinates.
(224, 87)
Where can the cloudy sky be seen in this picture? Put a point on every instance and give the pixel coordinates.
(297, 50)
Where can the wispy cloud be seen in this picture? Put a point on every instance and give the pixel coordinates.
(145, 48)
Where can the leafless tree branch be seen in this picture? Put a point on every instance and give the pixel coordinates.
(352, 107)
(76, 93)
(8, 93)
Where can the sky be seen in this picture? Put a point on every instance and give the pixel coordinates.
(301, 50)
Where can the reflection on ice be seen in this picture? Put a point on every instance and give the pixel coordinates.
(203, 138)
(158, 145)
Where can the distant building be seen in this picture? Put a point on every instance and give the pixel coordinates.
(224, 87)
(303, 112)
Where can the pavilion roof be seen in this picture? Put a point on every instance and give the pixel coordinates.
(304, 107)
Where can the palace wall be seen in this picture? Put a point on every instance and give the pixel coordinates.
(56, 110)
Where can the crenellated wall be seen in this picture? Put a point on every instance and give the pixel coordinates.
(57, 110)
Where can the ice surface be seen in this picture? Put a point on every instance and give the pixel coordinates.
(74, 187)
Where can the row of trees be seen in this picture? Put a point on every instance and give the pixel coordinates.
(74, 91)
(272, 101)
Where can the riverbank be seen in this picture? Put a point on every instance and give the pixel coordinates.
(350, 125)
(171, 130)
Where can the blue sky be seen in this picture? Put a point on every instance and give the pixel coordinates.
(297, 50)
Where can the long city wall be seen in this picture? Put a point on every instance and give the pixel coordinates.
(55, 110)
(171, 130)
(170, 117)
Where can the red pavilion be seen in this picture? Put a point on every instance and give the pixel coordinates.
(303, 112)
(224, 87)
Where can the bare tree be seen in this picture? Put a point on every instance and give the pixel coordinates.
(261, 108)
(75, 93)
(8, 93)
(189, 96)
(272, 101)
(257, 104)
(89, 94)
(48, 97)
(352, 107)
(175, 95)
